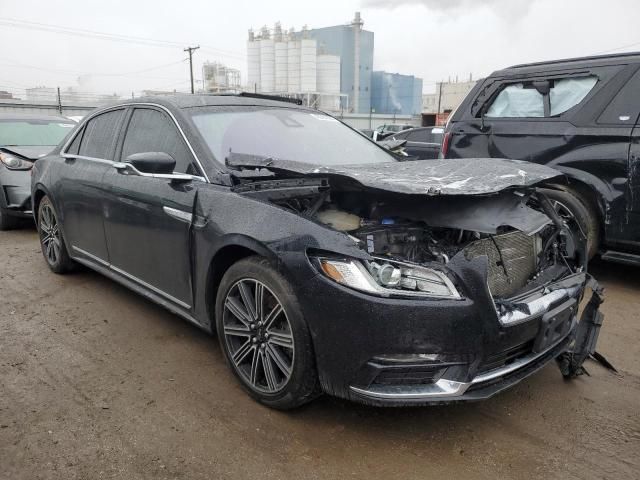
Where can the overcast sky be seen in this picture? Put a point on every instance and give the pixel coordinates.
(432, 39)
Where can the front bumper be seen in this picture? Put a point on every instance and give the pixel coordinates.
(15, 192)
(387, 351)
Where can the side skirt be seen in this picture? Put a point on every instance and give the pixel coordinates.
(132, 285)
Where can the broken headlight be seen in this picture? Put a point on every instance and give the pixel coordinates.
(385, 278)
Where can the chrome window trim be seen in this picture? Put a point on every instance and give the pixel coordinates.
(127, 168)
(63, 151)
(122, 272)
(92, 159)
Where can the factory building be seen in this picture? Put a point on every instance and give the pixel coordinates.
(392, 93)
(220, 78)
(318, 65)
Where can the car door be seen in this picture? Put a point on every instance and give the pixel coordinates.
(418, 145)
(86, 160)
(148, 219)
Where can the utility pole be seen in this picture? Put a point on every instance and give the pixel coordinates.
(59, 102)
(439, 96)
(191, 50)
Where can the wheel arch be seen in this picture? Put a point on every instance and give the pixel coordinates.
(38, 194)
(233, 249)
(590, 188)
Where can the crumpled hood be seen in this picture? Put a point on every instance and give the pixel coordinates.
(464, 176)
(31, 152)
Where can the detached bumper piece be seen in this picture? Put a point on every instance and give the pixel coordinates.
(586, 337)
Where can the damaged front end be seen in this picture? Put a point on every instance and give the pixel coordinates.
(429, 239)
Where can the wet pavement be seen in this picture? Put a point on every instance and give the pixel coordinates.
(96, 382)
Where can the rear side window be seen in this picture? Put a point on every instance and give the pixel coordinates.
(566, 93)
(152, 131)
(524, 100)
(100, 135)
(517, 100)
(418, 136)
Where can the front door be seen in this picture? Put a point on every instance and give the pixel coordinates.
(148, 219)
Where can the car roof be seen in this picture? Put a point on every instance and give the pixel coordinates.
(183, 101)
(34, 116)
(579, 62)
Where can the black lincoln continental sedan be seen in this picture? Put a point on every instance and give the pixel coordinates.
(323, 262)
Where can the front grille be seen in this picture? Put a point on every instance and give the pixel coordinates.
(505, 357)
(518, 251)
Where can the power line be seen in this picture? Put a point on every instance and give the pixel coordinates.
(96, 74)
(16, 23)
(618, 48)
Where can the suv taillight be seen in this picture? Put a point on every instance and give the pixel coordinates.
(444, 148)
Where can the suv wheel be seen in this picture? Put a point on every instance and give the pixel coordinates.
(571, 207)
(264, 336)
(52, 243)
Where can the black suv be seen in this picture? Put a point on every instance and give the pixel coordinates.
(579, 116)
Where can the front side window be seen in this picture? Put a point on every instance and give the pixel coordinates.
(284, 134)
(33, 132)
(542, 98)
(99, 135)
(152, 131)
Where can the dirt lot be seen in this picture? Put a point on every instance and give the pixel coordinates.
(97, 382)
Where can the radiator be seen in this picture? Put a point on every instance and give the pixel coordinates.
(519, 254)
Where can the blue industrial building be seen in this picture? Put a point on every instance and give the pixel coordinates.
(392, 93)
(341, 40)
(386, 93)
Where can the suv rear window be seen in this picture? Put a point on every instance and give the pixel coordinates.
(524, 100)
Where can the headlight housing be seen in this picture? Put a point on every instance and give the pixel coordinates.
(15, 163)
(385, 277)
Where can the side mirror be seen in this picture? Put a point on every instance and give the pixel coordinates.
(152, 162)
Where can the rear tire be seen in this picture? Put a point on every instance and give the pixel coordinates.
(266, 344)
(52, 242)
(570, 205)
(7, 222)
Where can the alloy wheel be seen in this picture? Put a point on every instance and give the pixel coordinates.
(258, 336)
(50, 234)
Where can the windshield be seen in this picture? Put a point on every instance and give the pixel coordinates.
(33, 132)
(285, 134)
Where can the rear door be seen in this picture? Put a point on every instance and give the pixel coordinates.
(148, 219)
(86, 160)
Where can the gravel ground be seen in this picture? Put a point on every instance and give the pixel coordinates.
(96, 382)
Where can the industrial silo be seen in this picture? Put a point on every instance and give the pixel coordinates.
(293, 65)
(253, 63)
(267, 65)
(308, 65)
(328, 81)
(281, 55)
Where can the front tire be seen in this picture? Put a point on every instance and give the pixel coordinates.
(52, 243)
(264, 336)
(571, 207)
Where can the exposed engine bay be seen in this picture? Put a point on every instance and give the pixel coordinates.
(411, 237)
